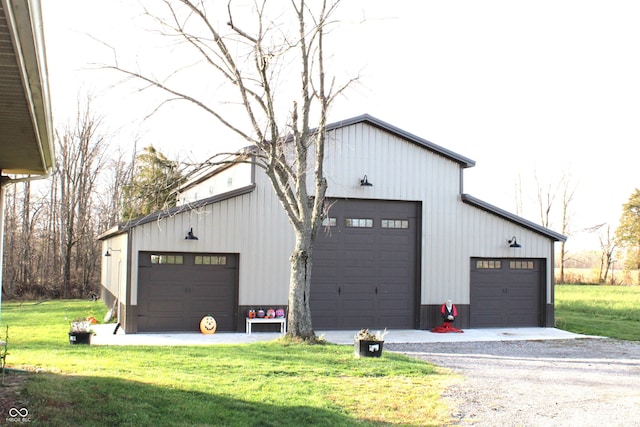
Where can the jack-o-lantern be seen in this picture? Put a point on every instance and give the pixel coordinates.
(208, 325)
(252, 314)
(279, 313)
(260, 313)
(271, 313)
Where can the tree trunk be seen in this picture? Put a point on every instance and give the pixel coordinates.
(299, 321)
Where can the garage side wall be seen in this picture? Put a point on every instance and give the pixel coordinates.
(114, 272)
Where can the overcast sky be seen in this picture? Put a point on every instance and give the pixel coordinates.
(538, 88)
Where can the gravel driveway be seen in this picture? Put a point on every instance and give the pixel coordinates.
(574, 382)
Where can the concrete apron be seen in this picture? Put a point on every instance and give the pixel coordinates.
(104, 336)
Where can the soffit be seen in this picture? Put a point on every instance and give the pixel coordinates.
(26, 145)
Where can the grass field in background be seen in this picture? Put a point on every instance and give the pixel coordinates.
(590, 275)
(261, 384)
(612, 311)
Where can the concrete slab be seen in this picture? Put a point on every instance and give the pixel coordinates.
(104, 336)
(468, 335)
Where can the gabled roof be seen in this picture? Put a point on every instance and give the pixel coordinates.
(465, 162)
(470, 200)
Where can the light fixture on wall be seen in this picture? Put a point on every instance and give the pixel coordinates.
(513, 243)
(107, 253)
(190, 235)
(365, 182)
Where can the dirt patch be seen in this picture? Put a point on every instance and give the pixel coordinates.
(11, 393)
(586, 382)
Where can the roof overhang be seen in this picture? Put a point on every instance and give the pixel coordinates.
(26, 132)
(470, 200)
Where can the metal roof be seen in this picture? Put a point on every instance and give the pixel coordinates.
(470, 200)
(26, 134)
(158, 215)
(465, 162)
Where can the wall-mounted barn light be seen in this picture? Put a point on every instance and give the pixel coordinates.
(190, 235)
(513, 243)
(107, 253)
(365, 182)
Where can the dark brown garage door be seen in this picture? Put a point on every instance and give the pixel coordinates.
(506, 292)
(364, 268)
(175, 290)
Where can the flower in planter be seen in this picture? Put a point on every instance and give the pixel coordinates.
(81, 325)
(366, 335)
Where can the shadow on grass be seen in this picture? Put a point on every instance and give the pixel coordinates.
(88, 401)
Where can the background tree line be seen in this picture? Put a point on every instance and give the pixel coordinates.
(51, 227)
(619, 248)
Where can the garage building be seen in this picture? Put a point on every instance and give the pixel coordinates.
(400, 238)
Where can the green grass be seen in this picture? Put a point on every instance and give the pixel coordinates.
(611, 311)
(262, 384)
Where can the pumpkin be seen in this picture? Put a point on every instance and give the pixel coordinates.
(271, 313)
(252, 314)
(208, 325)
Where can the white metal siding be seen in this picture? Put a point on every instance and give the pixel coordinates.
(452, 232)
(114, 271)
(226, 180)
(255, 225)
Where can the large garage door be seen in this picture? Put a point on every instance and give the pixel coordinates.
(364, 267)
(506, 292)
(176, 290)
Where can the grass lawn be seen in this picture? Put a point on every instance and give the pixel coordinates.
(261, 384)
(611, 311)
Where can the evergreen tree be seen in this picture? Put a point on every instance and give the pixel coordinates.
(628, 232)
(152, 187)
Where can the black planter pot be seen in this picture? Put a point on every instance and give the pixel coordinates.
(366, 348)
(79, 337)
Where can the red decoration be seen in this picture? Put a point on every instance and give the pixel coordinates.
(447, 312)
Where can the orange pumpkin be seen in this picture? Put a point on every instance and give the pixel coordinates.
(208, 325)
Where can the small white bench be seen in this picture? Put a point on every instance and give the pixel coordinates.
(281, 320)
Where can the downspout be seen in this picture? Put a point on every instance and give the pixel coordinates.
(4, 182)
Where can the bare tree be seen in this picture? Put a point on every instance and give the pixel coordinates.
(11, 256)
(568, 189)
(121, 173)
(256, 60)
(607, 246)
(518, 195)
(546, 198)
(81, 151)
